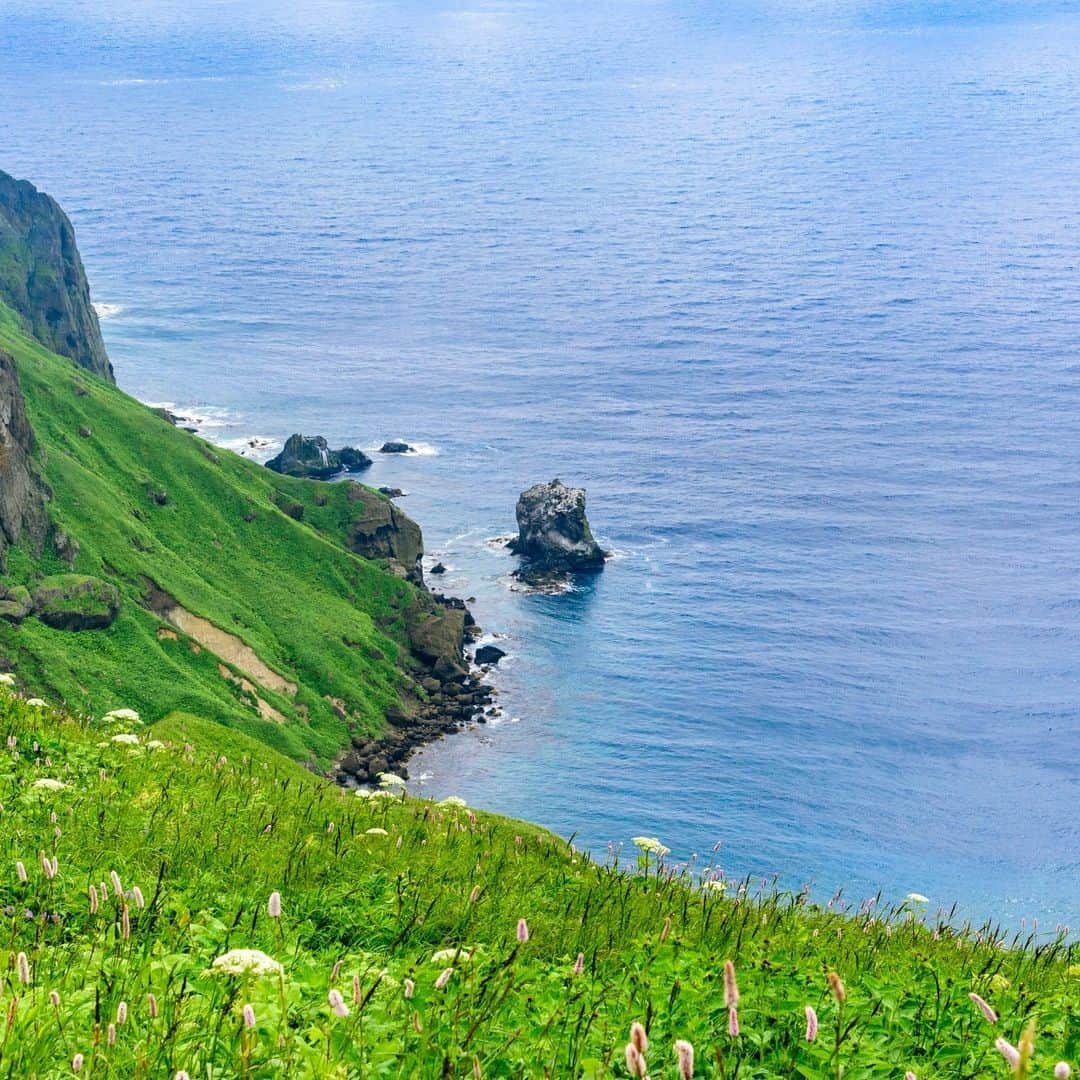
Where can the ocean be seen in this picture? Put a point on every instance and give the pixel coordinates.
(790, 287)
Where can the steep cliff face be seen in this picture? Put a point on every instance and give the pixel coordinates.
(22, 493)
(42, 276)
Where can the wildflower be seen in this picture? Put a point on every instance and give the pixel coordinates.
(110, 1035)
(122, 714)
(390, 780)
(837, 987)
(909, 1075)
(984, 1008)
(37, 702)
(638, 1038)
(126, 739)
(137, 896)
(635, 1063)
(54, 999)
(92, 894)
(715, 886)
(522, 931)
(649, 845)
(273, 905)
(116, 884)
(7, 679)
(444, 978)
(377, 832)
(442, 955)
(246, 962)
(731, 988)
(811, 1023)
(12, 742)
(916, 898)
(356, 989)
(453, 800)
(77, 1063)
(733, 1022)
(1062, 1071)
(475, 894)
(49, 866)
(249, 1016)
(684, 1053)
(23, 964)
(409, 988)
(182, 1075)
(1008, 1052)
(337, 1004)
(20, 870)
(121, 1013)
(47, 783)
(1000, 982)
(151, 1005)
(155, 744)
(579, 963)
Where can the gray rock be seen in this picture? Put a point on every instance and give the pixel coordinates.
(553, 531)
(395, 447)
(308, 456)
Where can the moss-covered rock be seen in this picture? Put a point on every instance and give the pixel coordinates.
(379, 530)
(76, 602)
(15, 603)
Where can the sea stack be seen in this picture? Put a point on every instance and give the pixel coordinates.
(554, 537)
(310, 457)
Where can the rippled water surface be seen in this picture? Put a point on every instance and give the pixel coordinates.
(791, 287)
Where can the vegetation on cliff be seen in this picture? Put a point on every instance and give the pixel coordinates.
(183, 901)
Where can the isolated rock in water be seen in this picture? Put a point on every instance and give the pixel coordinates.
(438, 568)
(76, 602)
(42, 276)
(553, 531)
(394, 447)
(310, 457)
(489, 654)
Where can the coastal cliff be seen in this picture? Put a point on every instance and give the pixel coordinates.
(42, 277)
(22, 492)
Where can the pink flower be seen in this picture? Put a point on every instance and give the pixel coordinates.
(137, 896)
(117, 887)
(731, 988)
(110, 1035)
(522, 931)
(337, 1003)
(249, 1016)
(273, 905)
(48, 866)
(579, 963)
(23, 964)
(909, 1075)
(92, 893)
(635, 1063)
(733, 1022)
(151, 1005)
(1062, 1071)
(77, 1063)
(356, 989)
(984, 1008)
(811, 1023)
(444, 978)
(54, 999)
(638, 1038)
(410, 988)
(182, 1075)
(1008, 1052)
(837, 987)
(20, 870)
(121, 1013)
(685, 1054)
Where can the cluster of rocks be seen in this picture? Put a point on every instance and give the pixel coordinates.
(309, 456)
(63, 601)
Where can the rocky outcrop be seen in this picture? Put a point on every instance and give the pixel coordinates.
(42, 276)
(76, 602)
(22, 491)
(489, 654)
(308, 456)
(381, 531)
(553, 533)
(395, 446)
(15, 603)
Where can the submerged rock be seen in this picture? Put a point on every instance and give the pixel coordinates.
(553, 532)
(308, 456)
(396, 447)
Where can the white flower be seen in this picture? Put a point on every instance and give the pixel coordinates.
(47, 783)
(37, 702)
(364, 793)
(917, 898)
(390, 780)
(444, 956)
(155, 744)
(123, 714)
(651, 846)
(453, 800)
(126, 738)
(246, 962)
(380, 795)
(377, 832)
(715, 886)
(7, 679)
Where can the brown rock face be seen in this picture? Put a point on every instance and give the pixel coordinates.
(42, 276)
(22, 492)
(381, 531)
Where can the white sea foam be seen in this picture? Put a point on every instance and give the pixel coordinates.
(108, 311)
(314, 86)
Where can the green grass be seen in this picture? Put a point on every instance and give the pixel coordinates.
(322, 617)
(210, 823)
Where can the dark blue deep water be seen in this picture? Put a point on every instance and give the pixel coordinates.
(790, 286)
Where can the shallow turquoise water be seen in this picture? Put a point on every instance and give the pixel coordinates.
(791, 288)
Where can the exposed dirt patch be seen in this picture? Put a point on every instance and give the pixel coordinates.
(165, 634)
(266, 710)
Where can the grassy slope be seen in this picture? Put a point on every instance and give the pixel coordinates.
(322, 617)
(210, 823)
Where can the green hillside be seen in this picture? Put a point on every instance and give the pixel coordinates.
(410, 912)
(164, 517)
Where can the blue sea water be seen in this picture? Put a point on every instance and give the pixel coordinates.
(790, 286)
